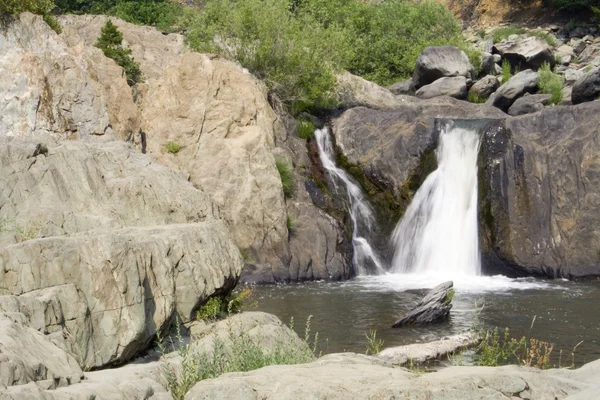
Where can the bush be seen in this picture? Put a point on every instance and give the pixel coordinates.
(231, 304)
(287, 176)
(173, 147)
(475, 98)
(506, 72)
(550, 83)
(243, 354)
(110, 42)
(305, 130)
(9, 8)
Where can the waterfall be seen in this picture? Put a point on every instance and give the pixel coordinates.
(438, 233)
(365, 259)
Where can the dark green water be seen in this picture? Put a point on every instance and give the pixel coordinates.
(566, 313)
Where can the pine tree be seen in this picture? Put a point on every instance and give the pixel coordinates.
(110, 42)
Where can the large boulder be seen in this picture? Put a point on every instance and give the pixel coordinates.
(355, 91)
(587, 88)
(103, 246)
(484, 87)
(523, 82)
(354, 376)
(53, 88)
(455, 86)
(404, 88)
(540, 194)
(437, 62)
(529, 52)
(529, 104)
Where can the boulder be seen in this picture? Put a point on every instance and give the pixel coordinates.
(437, 62)
(587, 88)
(434, 307)
(523, 82)
(578, 45)
(484, 87)
(354, 376)
(573, 75)
(564, 50)
(405, 88)
(488, 63)
(355, 91)
(589, 53)
(529, 104)
(452, 86)
(104, 246)
(53, 88)
(530, 52)
(541, 190)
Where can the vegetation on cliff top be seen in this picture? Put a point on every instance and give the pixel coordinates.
(111, 43)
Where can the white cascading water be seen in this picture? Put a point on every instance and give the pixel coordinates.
(438, 233)
(360, 211)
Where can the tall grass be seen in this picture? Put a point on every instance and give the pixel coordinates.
(287, 176)
(550, 83)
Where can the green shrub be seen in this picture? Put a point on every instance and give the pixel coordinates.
(287, 176)
(211, 309)
(231, 304)
(159, 13)
(243, 354)
(305, 130)
(550, 83)
(374, 345)
(506, 71)
(475, 98)
(173, 147)
(110, 42)
(9, 8)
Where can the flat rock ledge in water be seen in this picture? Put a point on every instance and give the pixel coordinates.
(433, 308)
(419, 353)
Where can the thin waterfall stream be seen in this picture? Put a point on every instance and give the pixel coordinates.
(363, 220)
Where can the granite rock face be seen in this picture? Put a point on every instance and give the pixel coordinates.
(102, 246)
(541, 193)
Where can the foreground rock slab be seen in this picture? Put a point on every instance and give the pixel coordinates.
(434, 307)
(352, 376)
(419, 353)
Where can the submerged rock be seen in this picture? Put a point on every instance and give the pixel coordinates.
(433, 308)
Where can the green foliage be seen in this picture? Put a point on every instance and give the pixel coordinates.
(504, 32)
(10, 8)
(287, 176)
(305, 130)
(244, 353)
(550, 83)
(475, 98)
(374, 345)
(173, 147)
(298, 49)
(110, 42)
(232, 304)
(495, 350)
(506, 72)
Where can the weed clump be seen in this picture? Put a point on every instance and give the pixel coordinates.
(550, 83)
(287, 176)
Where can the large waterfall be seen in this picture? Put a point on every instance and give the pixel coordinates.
(438, 233)
(365, 259)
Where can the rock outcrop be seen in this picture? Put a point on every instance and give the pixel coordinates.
(53, 88)
(353, 376)
(437, 62)
(434, 307)
(102, 246)
(540, 193)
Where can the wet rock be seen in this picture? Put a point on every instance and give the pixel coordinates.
(587, 88)
(441, 61)
(523, 82)
(485, 86)
(453, 86)
(529, 104)
(530, 52)
(434, 307)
